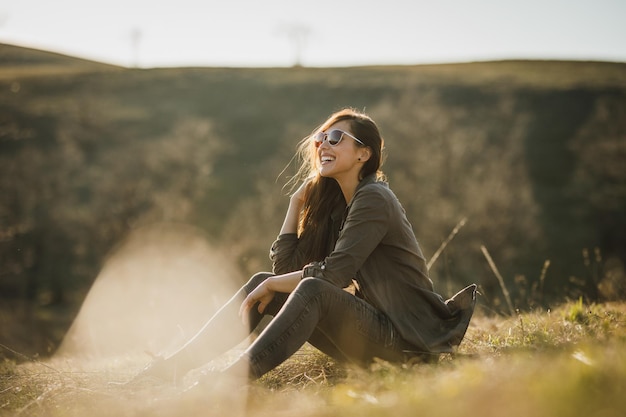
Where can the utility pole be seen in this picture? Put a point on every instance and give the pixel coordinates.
(135, 39)
(297, 34)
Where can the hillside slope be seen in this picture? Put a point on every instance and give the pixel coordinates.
(20, 61)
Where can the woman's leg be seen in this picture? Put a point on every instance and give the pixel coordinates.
(348, 326)
(223, 331)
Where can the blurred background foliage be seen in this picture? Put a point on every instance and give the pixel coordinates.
(531, 153)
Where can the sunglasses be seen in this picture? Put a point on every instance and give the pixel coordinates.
(333, 137)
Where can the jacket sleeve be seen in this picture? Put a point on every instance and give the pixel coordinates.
(366, 225)
(286, 255)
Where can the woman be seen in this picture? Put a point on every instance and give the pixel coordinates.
(343, 226)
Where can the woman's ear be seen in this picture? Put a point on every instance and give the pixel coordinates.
(365, 154)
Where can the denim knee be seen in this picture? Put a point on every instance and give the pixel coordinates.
(311, 286)
(316, 291)
(255, 280)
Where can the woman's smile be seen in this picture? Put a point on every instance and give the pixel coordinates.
(326, 159)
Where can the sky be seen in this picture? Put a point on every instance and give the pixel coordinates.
(319, 33)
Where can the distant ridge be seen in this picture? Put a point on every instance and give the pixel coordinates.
(18, 62)
(18, 56)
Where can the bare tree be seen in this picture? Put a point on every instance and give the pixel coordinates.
(135, 39)
(297, 34)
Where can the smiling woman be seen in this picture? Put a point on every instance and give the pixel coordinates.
(343, 226)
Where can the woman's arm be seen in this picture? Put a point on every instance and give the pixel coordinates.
(285, 253)
(292, 218)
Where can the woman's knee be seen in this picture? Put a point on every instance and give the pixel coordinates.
(313, 286)
(256, 280)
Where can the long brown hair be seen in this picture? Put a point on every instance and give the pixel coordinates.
(323, 195)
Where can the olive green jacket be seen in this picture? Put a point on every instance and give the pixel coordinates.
(375, 247)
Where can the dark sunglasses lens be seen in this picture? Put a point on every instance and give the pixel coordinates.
(334, 137)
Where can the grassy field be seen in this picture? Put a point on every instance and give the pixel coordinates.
(569, 361)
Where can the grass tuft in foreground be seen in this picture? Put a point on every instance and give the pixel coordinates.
(570, 361)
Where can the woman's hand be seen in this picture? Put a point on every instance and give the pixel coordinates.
(262, 295)
(298, 196)
(264, 292)
(292, 218)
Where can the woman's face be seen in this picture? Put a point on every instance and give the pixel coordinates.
(341, 161)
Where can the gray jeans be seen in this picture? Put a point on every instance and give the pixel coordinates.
(335, 321)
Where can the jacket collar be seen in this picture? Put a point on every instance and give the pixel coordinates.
(370, 179)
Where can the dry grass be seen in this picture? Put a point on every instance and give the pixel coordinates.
(570, 362)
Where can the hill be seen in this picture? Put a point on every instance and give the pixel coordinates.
(28, 61)
(531, 153)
